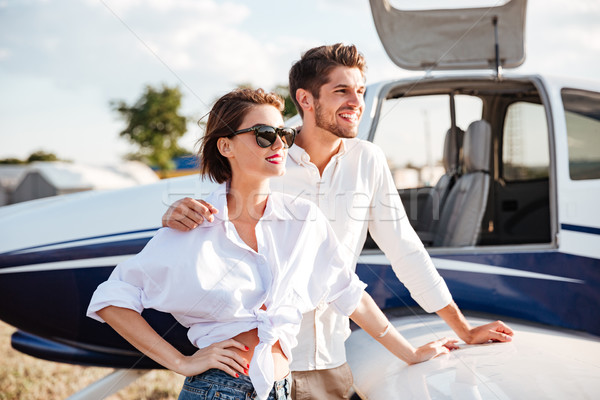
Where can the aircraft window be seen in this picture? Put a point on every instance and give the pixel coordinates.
(582, 114)
(411, 132)
(525, 151)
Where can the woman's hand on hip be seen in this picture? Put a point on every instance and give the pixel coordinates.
(218, 355)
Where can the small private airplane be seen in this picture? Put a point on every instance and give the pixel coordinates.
(498, 172)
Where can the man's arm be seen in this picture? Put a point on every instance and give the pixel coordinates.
(186, 214)
(496, 331)
(391, 230)
(370, 318)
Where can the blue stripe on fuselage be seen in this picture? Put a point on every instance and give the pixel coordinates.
(123, 247)
(569, 304)
(25, 249)
(582, 229)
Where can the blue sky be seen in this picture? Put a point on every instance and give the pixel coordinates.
(62, 62)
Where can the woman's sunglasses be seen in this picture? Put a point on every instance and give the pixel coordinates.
(267, 135)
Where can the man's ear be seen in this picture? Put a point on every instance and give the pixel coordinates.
(224, 146)
(305, 99)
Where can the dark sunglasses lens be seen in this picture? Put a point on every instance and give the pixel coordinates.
(288, 135)
(265, 136)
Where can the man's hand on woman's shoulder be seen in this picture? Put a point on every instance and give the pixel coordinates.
(187, 213)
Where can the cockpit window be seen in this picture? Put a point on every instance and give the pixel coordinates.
(582, 114)
(411, 132)
(525, 153)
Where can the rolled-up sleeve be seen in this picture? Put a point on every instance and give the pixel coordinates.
(136, 283)
(346, 300)
(390, 228)
(119, 290)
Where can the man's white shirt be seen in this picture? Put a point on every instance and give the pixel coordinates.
(357, 194)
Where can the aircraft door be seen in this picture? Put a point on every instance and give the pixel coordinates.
(578, 155)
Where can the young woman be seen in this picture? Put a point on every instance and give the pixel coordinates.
(241, 282)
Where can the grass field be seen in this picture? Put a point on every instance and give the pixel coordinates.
(27, 378)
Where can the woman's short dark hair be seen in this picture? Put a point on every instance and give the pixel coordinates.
(225, 118)
(312, 70)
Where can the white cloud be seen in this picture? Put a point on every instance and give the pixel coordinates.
(78, 56)
(205, 7)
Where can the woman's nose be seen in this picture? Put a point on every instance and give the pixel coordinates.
(278, 143)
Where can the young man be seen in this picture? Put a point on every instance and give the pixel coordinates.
(351, 183)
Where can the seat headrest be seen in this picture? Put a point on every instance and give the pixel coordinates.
(476, 147)
(452, 148)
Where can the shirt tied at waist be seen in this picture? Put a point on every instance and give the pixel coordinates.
(272, 325)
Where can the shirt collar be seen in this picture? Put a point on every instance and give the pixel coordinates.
(276, 209)
(295, 153)
(300, 156)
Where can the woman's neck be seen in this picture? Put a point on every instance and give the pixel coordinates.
(246, 202)
(247, 199)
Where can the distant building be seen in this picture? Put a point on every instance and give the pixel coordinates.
(44, 179)
(405, 178)
(409, 178)
(184, 165)
(10, 176)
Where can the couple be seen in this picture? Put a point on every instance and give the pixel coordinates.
(242, 278)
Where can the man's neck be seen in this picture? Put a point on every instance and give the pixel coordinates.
(320, 145)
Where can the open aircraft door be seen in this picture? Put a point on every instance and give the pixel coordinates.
(455, 39)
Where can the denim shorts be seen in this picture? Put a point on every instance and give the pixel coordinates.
(216, 384)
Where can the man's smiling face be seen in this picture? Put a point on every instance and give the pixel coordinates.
(341, 102)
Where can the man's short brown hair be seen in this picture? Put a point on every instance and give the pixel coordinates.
(312, 70)
(225, 118)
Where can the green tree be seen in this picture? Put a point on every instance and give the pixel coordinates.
(290, 108)
(155, 125)
(39, 155)
(11, 161)
(42, 156)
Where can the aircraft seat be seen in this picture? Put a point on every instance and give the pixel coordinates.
(462, 214)
(429, 220)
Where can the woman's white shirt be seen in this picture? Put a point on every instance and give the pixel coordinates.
(215, 284)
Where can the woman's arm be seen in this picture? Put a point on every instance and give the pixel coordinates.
(134, 328)
(370, 318)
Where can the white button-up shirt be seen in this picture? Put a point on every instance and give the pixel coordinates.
(357, 194)
(215, 284)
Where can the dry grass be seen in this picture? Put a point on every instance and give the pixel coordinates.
(27, 378)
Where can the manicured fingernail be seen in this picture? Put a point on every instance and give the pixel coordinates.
(247, 365)
(237, 375)
(245, 371)
(247, 348)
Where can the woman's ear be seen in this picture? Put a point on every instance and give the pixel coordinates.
(224, 146)
(304, 99)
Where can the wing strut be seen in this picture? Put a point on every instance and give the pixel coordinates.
(109, 385)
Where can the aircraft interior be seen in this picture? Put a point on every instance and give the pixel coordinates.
(484, 178)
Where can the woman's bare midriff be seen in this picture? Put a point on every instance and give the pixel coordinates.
(280, 361)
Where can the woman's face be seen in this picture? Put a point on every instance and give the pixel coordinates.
(246, 157)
